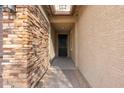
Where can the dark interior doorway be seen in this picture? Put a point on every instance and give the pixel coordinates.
(62, 45)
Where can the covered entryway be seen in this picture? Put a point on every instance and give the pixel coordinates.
(63, 71)
(61, 46)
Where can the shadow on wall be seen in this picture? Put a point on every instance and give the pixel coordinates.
(52, 44)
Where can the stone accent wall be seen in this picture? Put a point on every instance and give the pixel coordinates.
(1, 45)
(25, 47)
(15, 40)
(38, 55)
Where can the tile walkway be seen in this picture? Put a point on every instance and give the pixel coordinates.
(63, 74)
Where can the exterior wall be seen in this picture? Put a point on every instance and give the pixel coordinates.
(25, 47)
(101, 45)
(1, 45)
(14, 58)
(52, 44)
(76, 45)
(72, 44)
(38, 55)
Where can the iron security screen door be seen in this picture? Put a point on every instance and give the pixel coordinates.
(62, 45)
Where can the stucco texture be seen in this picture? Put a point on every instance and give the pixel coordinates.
(101, 45)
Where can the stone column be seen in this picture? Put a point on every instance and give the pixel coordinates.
(14, 49)
(25, 47)
(1, 46)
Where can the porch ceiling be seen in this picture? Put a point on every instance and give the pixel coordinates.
(64, 27)
(61, 22)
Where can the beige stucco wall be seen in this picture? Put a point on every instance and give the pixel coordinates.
(72, 44)
(101, 45)
(52, 43)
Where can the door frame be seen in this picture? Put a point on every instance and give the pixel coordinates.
(57, 44)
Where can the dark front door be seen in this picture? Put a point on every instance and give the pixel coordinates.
(62, 45)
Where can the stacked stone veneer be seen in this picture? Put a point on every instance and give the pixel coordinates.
(1, 45)
(38, 59)
(25, 47)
